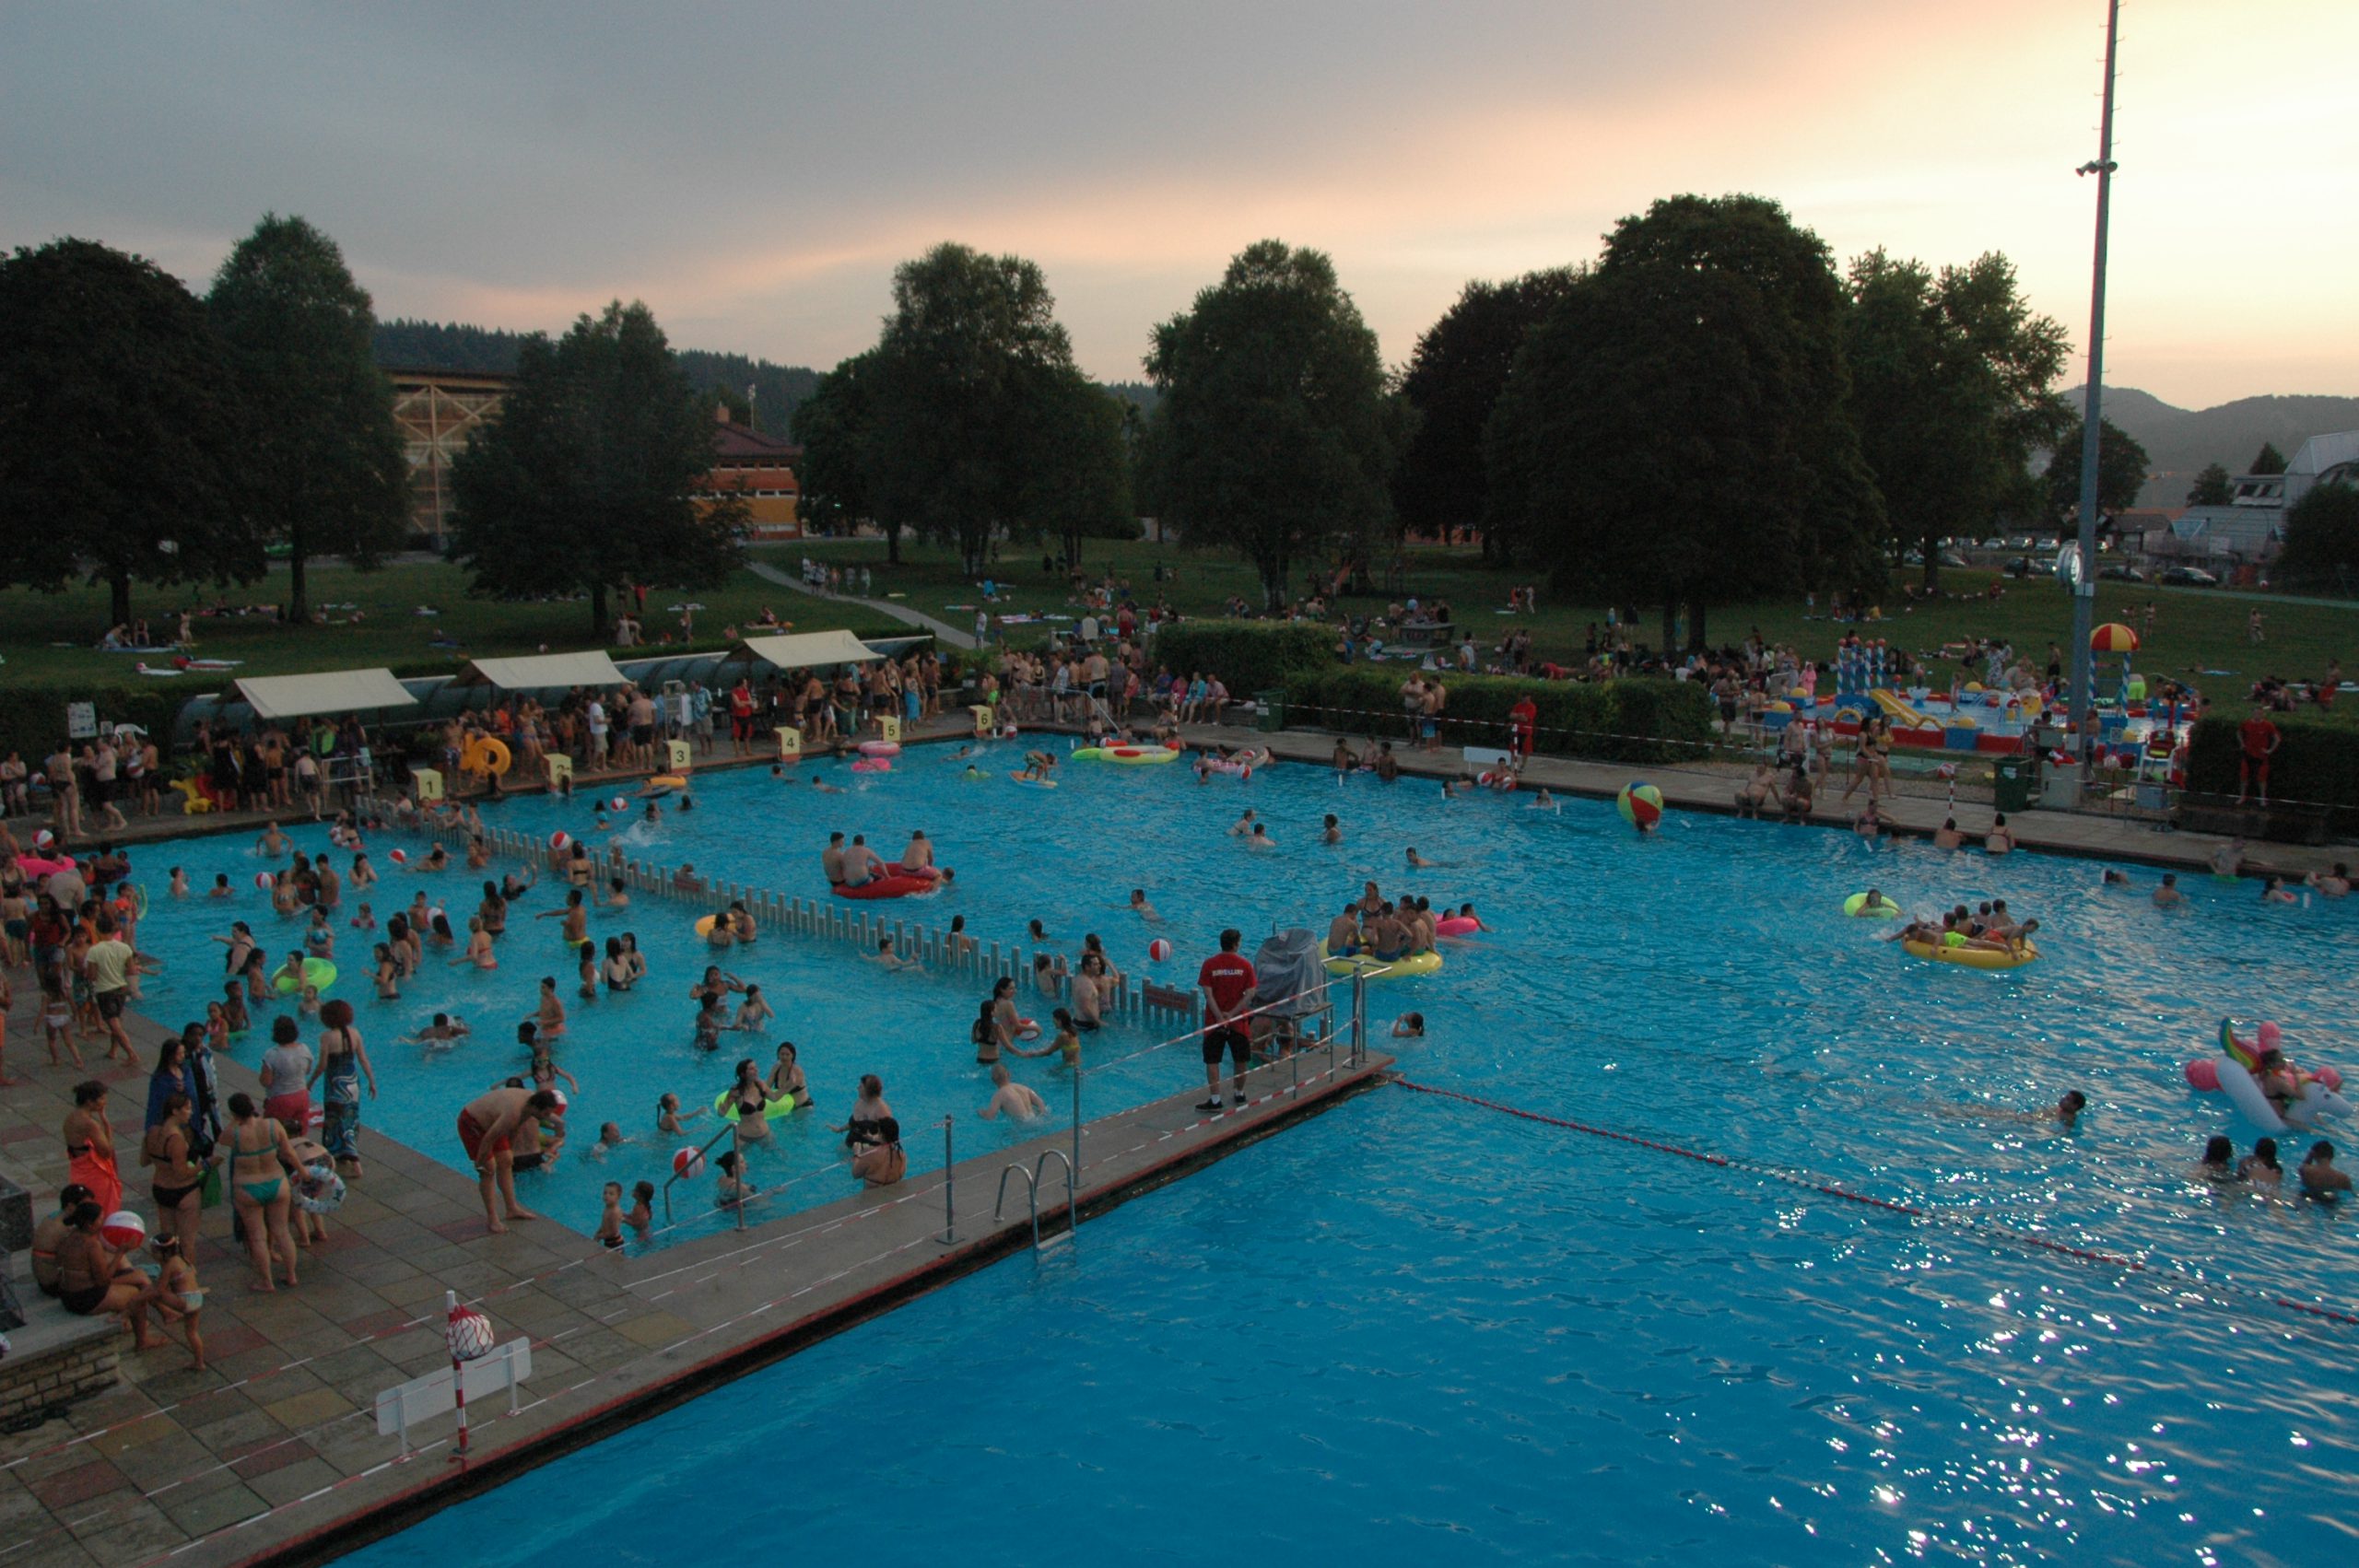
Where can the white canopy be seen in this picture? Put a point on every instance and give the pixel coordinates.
(330, 691)
(541, 671)
(804, 649)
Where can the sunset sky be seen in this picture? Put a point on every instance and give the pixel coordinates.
(754, 171)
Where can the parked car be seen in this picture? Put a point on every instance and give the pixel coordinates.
(2120, 573)
(1994, 543)
(2020, 566)
(2188, 577)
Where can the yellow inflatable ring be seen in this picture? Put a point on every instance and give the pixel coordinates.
(318, 974)
(667, 781)
(1376, 968)
(485, 754)
(1857, 905)
(782, 1106)
(1972, 957)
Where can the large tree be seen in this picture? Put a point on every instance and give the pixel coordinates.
(1453, 382)
(1081, 472)
(1949, 391)
(1274, 434)
(967, 374)
(2212, 487)
(2322, 542)
(121, 428)
(2268, 460)
(2121, 469)
(324, 463)
(1841, 528)
(1645, 440)
(835, 426)
(596, 474)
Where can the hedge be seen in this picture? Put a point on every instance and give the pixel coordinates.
(32, 713)
(1625, 720)
(2316, 763)
(1248, 656)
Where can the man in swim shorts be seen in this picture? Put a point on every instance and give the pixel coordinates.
(831, 860)
(1226, 981)
(489, 1128)
(861, 864)
(2259, 739)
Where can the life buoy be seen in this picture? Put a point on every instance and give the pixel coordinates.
(318, 974)
(486, 754)
(319, 1191)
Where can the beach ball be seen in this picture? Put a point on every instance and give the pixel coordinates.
(123, 1230)
(1947, 770)
(1640, 804)
(400, 856)
(686, 1163)
(1159, 949)
(469, 1333)
(618, 804)
(262, 880)
(563, 1105)
(43, 839)
(560, 839)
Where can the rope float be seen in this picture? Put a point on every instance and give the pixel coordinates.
(1915, 1212)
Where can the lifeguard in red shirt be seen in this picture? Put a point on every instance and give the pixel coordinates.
(1522, 720)
(1227, 981)
(2260, 740)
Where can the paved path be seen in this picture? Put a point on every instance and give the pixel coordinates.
(899, 612)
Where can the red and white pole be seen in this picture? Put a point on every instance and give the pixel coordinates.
(458, 1370)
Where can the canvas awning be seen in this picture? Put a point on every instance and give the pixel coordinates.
(330, 691)
(804, 649)
(541, 672)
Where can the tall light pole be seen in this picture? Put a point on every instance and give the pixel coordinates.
(2085, 589)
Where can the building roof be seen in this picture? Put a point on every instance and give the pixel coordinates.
(732, 440)
(541, 671)
(2321, 453)
(803, 650)
(329, 691)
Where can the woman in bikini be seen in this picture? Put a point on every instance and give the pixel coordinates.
(751, 1096)
(260, 1157)
(179, 1180)
(92, 1277)
(786, 1077)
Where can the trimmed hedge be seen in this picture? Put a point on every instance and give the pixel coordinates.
(1248, 656)
(1625, 720)
(32, 713)
(2316, 763)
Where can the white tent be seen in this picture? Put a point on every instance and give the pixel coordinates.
(806, 649)
(330, 691)
(540, 672)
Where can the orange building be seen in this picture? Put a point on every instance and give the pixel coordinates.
(761, 469)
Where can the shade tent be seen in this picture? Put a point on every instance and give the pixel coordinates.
(541, 672)
(330, 691)
(804, 649)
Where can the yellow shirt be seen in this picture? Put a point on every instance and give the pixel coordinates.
(109, 965)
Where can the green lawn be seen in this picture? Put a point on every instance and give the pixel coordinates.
(2194, 629)
(54, 637)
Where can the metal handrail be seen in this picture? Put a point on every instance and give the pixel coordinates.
(728, 1130)
(1032, 1196)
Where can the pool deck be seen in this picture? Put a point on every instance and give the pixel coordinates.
(1917, 815)
(271, 1453)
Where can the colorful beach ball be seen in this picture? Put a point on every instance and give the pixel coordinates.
(560, 839)
(618, 804)
(1159, 949)
(1640, 804)
(686, 1163)
(563, 1105)
(2113, 637)
(123, 1230)
(469, 1334)
(262, 880)
(401, 857)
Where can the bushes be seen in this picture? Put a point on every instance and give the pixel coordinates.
(1626, 721)
(32, 714)
(2316, 763)
(1248, 656)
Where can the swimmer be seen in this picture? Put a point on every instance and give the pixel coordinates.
(2217, 1166)
(1868, 825)
(973, 775)
(2228, 859)
(1332, 831)
(2320, 1179)
(366, 920)
(549, 1016)
(2261, 1166)
(1466, 912)
(669, 1119)
(2066, 1110)
(1344, 937)
(446, 1031)
(1875, 902)
(610, 1138)
(1038, 766)
(640, 1215)
(221, 888)
(609, 1233)
(613, 895)
(1017, 1101)
(1261, 839)
(1409, 1026)
(2115, 879)
(1541, 801)
(2000, 840)
(2168, 896)
(2335, 883)
(1346, 760)
(574, 929)
(180, 883)
(753, 1012)
(2275, 891)
(711, 1018)
(1141, 908)
(273, 843)
(1243, 825)
(1947, 835)
(1418, 862)
(889, 959)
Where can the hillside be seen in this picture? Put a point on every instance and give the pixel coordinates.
(2180, 442)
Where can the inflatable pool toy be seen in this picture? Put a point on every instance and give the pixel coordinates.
(1972, 957)
(1857, 905)
(872, 765)
(319, 1191)
(558, 840)
(880, 748)
(265, 881)
(124, 1231)
(1132, 756)
(2231, 1073)
(1159, 948)
(1377, 968)
(485, 754)
(1641, 805)
(924, 874)
(781, 1106)
(1457, 925)
(667, 781)
(686, 1163)
(1033, 783)
(618, 804)
(318, 974)
(36, 867)
(883, 887)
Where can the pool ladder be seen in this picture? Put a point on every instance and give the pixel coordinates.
(1032, 1194)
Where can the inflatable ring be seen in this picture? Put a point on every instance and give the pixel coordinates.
(1972, 957)
(1457, 925)
(883, 887)
(1033, 783)
(318, 974)
(139, 902)
(880, 748)
(1377, 968)
(1857, 905)
(667, 781)
(872, 765)
(1132, 756)
(485, 754)
(319, 1191)
(778, 1110)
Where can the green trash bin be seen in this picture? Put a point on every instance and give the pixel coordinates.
(2011, 784)
(1270, 709)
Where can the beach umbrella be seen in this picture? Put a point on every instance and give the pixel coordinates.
(2113, 637)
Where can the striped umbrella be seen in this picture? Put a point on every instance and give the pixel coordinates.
(2113, 637)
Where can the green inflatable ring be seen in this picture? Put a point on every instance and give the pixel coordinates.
(1857, 905)
(784, 1105)
(318, 974)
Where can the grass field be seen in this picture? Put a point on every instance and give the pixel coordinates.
(2193, 630)
(54, 637)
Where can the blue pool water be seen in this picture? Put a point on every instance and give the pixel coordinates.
(1414, 1329)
